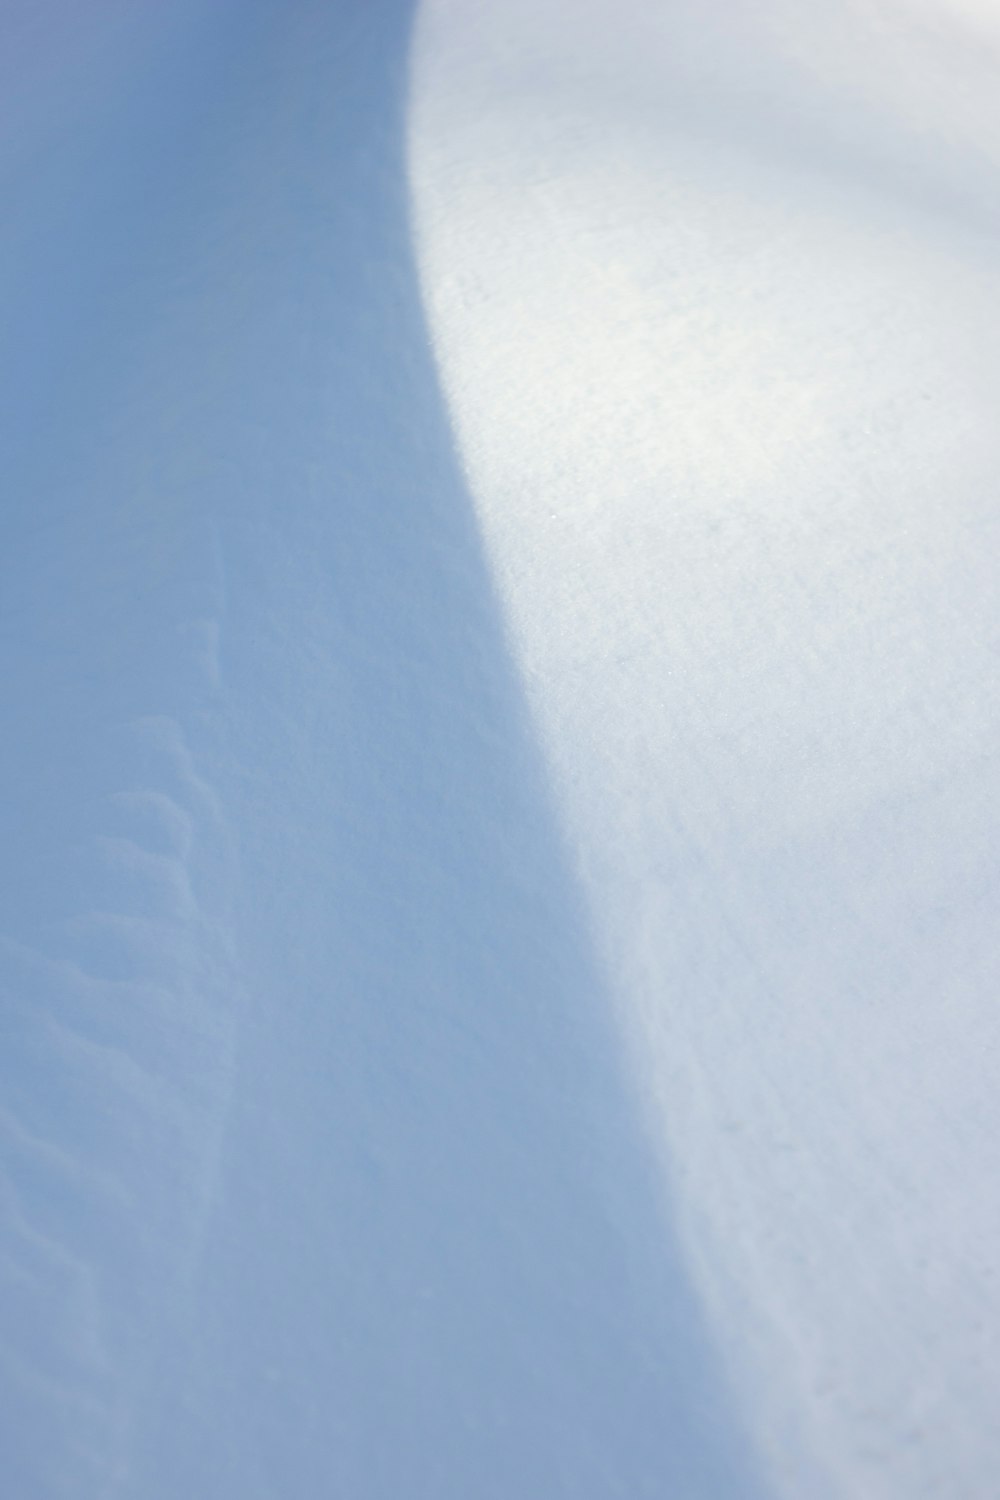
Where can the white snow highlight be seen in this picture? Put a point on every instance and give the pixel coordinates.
(714, 291)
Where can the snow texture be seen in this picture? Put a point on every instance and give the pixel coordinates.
(499, 662)
(714, 288)
(321, 1172)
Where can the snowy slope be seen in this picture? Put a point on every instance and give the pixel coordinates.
(499, 661)
(714, 292)
(322, 1175)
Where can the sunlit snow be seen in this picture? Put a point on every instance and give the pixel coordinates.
(499, 587)
(714, 291)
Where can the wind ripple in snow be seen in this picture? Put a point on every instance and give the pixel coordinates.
(116, 1080)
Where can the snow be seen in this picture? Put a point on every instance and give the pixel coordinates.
(713, 289)
(499, 664)
(321, 1174)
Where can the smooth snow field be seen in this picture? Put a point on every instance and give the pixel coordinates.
(500, 662)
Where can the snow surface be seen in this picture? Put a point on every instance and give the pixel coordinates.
(714, 289)
(499, 661)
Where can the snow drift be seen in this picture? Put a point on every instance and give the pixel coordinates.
(714, 292)
(499, 658)
(321, 1174)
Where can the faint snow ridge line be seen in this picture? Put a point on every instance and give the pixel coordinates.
(116, 1081)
